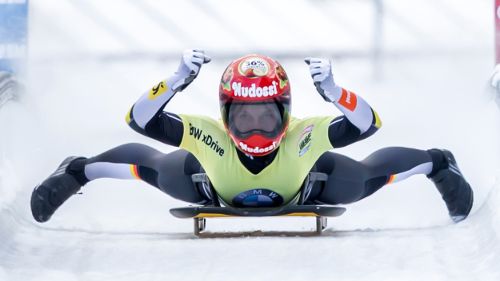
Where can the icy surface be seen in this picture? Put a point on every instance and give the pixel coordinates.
(121, 230)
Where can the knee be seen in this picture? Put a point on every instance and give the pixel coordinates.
(133, 146)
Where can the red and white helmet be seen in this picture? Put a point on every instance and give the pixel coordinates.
(254, 96)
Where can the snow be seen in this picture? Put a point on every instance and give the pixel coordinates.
(122, 229)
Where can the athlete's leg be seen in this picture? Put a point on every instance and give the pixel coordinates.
(350, 181)
(171, 173)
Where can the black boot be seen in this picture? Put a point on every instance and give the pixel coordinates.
(57, 188)
(456, 192)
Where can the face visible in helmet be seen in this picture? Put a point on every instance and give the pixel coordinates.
(257, 118)
(254, 95)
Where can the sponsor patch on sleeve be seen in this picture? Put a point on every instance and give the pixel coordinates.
(157, 90)
(305, 140)
(348, 100)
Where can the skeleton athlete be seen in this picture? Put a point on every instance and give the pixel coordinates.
(258, 155)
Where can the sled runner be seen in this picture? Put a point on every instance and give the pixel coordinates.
(200, 213)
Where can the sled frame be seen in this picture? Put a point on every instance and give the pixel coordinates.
(202, 181)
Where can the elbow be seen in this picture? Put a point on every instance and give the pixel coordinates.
(377, 122)
(129, 118)
(372, 130)
(374, 126)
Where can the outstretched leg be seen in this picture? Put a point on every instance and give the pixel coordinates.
(171, 173)
(350, 180)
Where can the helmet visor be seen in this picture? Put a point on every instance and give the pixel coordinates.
(247, 119)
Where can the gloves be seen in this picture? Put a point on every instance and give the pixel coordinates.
(321, 73)
(189, 68)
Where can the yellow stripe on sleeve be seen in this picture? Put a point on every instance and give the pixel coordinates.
(378, 121)
(128, 117)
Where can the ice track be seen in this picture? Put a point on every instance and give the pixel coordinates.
(122, 230)
(429, 92)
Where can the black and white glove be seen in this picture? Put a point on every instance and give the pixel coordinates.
(321, 73)
(190, 66)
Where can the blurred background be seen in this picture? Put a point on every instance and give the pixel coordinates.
(70, 70)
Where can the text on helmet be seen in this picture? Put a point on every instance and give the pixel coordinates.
(253, 91)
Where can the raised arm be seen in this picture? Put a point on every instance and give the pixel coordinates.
(147, 116)
(359, 120)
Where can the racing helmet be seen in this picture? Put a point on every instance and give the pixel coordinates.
(254, 95)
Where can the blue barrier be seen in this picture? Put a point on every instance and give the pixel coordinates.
(13, 34)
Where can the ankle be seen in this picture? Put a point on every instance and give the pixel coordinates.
(439, 161)
(77, 169)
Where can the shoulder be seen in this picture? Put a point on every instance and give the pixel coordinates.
(206, 123)
(199, 119)
(316, 121)
(203, 132)
(304, 132)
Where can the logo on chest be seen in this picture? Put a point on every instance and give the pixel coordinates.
(305, 140)
(207, 139)
(259, 197)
